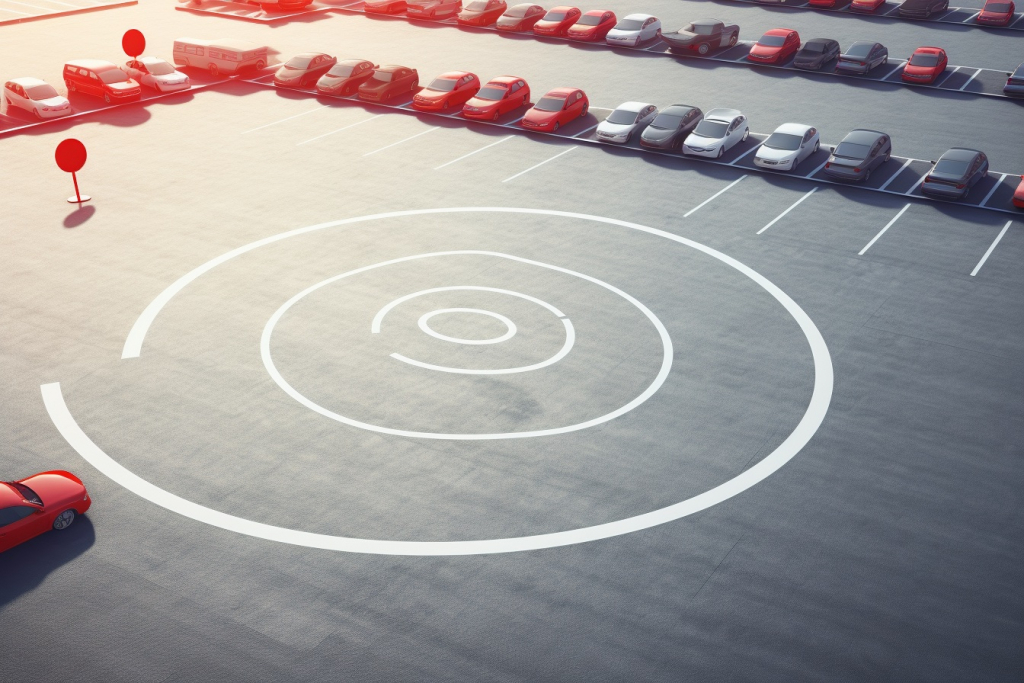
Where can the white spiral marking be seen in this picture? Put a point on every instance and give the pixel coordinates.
(510, 327)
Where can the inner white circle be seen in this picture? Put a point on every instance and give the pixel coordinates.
(510, 332)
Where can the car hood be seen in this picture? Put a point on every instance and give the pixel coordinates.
(682, 37)
(653, 134)
(764, 50)
(125, 85)
(773, 154)
(510, 21)
(57, 101)
(538, 116)
(545, 23)
(287, 72)
(621, 34)
(701, 141)
(614, 128)
(372, 85)
(911, 69)
(477, 103)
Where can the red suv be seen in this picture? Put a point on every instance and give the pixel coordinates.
(100, 79)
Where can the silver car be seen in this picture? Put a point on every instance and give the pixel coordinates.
(634, 29)
(718, 132)
(36, 97)
(862, 57)
(628, 118)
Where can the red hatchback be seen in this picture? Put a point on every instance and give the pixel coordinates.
(593, 26)
(559, 107)
(925, 65)
(481, 12)
(520, 18)
(1018, 195)
(775, 47)
(500, 96)
(557, 21)
(36, 504)
(448, 90)
(996, 13)
(866, 5)
(824, 4)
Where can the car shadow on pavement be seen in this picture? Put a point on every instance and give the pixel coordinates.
(24, 567)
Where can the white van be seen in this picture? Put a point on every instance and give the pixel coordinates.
(219, 56)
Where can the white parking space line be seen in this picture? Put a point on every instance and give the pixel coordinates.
(539, 165)
(892, 11)
(411, 137)
(745, 154)
(970, 18)
(916, 185)
(945, 14)
(795, 204)
(882, 231)
(991, 249)
(714, 196)
(289, 118)
(25, 4)
(351, 125)
(893, 177)
(581, 134)
(24, 14)
(512, 123)
(475, 151)
(901, 65)
(971, 79)
(993, 190)
(821, 166)
(948, 75)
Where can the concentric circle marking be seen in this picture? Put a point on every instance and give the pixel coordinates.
(510, 327)
(817, 408)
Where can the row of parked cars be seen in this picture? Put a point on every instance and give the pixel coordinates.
(993, 12)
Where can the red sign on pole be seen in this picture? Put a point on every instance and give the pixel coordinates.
(70, 156)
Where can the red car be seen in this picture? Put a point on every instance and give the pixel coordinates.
(866, 5)
(101, 79)
(520, 18)
(481, 12)
(775, 47)
(36, 504)
(500, 96)
(557, 21)
(1018, 195)
(825, 4)
(592, 26)
(384, 6)
(925, 65)
(996, 13)
(448, 90)
(559, 107)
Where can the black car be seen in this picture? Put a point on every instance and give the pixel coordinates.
(860, 152)
(671, 126)
(922, 9)
(1015, 83)
(862, 57)
(816, 53)
(955, 173)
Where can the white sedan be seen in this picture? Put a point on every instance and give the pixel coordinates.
(628, 118)
(784, 149)
(36, 97)
(157, 74)
(634, 29)
(718, 132)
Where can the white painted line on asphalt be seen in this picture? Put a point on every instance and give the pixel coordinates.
(581, 134)
(289, 118)
(893, 176)
(890, 12)
(821, 166)
(540, 164)
(25, 4)
(993, 190)
(901, 65)
(945, 14)
(412, 137)
(745, 154)
(949, 74)
(882, 231)
(971, 79)
(507, 137)
(351, 125)
(512, 123)
(795, 204)
(714, 196)
(13, 11)
(991, 248)
(970, 18)
(917, 184)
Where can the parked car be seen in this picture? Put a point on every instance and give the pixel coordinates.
(862, 57)
(775, 46)
(388, 82)
(922, 9)
(432, 9)
(1018, 194)
(481, 12)
(156, 74)
(100, 79)
(821, 4)
(35, 97)
(384, 6)
(304, 70)
(345, 77)
(1015, 83)
(592, 26)
(634, 29)
(519, 18)
(702, 36)
(625, 120)
(499, 96)
(719, 131)
(36, 504)
(670, 127)
(860, 152)
(866, 6)
(925, 65)
(557, 21)
(784, 149)
(816, 53)
(996, 13)
(955, 173)
(557, 108)
(220, 56)
(447, 91)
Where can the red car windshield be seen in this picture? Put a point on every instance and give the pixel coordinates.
(998, 7)
(589, 20)
(554, 16)
(442, 84)
(492, 92)
(924, 59)
(550, 104)
(113, 76)
(772, 41)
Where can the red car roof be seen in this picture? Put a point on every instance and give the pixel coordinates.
(454, 75)
(562, 8)
(504, 80)
(929, 49)
(560, 92)
(780, 32)
(595, 12)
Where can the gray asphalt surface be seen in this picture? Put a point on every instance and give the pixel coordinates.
(887, 549)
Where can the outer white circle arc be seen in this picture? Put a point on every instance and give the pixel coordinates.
(510, 327)
(817, 408)
(663, 371)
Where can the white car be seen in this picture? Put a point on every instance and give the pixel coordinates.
(628, 118)
(634, 29)
(36, 97)
(157, 74)
(784, 149)
(717, 133)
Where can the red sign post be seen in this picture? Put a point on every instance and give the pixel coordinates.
(70, 156)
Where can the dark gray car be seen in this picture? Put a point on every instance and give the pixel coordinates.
(955, 173)
(862, 57)
(860, 152)
(1015, 83)
(816, 53)
(671, 126)
(922, 9)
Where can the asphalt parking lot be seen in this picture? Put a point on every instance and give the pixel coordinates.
(779, 439)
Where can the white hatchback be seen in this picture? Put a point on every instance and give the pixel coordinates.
(718, 132)
(628, 118)
(634, 29)
(784, 149)
(36, 97)
(157, 74)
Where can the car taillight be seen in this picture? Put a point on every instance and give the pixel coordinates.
(856, 170)
(862, 63)
(961, 186)
(828, 164)
(927, 178)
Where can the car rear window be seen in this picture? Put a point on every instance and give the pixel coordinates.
(924, 59)
(852, 150)
(859, 50)
(953, 167)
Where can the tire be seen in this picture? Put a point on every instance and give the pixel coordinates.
(346, 91)
(703, 49)
(746, 134)
(71, 86)
(106, 98)
(721, 151)
(867, 175)
(214, 70)
(445, 105)
(555, 129)
(817, 144)
(888, 155)
(261, 65)
(735, 39)
(64, 519)
(583, 112)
